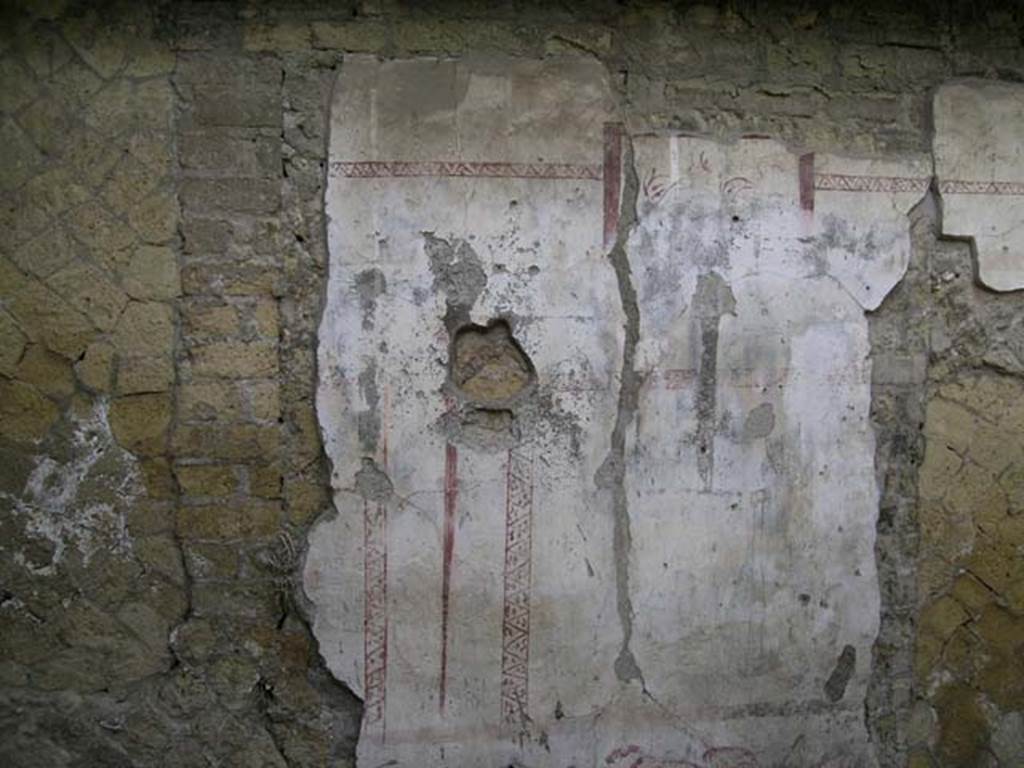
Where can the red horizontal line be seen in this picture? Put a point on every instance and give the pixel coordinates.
(376, 169)
(841, 182)
(958, 187)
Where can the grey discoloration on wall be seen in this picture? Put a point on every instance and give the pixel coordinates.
(487, 429)
(370, 283)
(712, 300)
(759, 422)
(835, 686)
(458, 274)
(369, 419)
(372, 483)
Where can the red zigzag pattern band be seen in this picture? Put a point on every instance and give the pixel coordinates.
(375, 169)
(515, 623)
(375, 616)
(826, 182)
(841, 182)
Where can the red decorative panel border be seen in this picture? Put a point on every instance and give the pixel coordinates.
(841, 182)
(515, 622)
(383, 169)
(375, 616)
(959, 187)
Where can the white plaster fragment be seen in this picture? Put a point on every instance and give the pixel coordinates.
(751, 469)
(501, 164)
(979, 162)
(730, 621)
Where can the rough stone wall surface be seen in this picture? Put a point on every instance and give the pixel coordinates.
(161, 281)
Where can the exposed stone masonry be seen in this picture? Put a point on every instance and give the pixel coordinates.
(161, 279)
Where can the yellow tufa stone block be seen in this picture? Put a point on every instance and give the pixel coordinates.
(351, 36)
(253, 519)
(46, 371)
(942, 617)
(152, 274)
(235, 359)
(145, 328)
(140, 422)
(12, 344)
(25, 414)
(95, 368)
(206, 479)
(157, 477)
(205, 322)
(280, 36)
(144, 373)
(89, 291)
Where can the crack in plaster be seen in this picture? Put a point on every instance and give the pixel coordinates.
(612, 474)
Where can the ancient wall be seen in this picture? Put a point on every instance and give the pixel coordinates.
(179, 219)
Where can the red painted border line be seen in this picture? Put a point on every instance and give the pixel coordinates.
(515, 622)
(451, 493)
(806, 173)
(375, 616)
(612, 181)
(384, 169)
(841, 182)
(961, 187)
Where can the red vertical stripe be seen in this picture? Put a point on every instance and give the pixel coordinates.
(612, 181)
(451, 491)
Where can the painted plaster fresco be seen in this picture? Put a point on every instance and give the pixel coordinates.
(597, 407)
(463, 588)
(752, 497)
(979, 164)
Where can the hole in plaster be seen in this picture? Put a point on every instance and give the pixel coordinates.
(486, 429)
(487, 365)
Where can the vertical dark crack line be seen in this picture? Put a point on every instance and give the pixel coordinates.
(612, 474)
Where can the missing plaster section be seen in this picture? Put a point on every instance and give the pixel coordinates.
(373, 483)
(612, 474)
(458, 273)
(487, 365)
